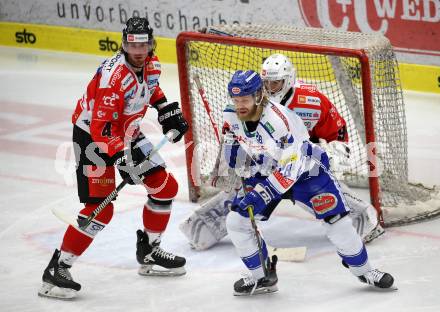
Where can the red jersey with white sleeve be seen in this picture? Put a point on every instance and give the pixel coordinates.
(116, 100)
(319, 115)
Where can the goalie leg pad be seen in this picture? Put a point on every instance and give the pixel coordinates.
(207, 225)
(363, 214)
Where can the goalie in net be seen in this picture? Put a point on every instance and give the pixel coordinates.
(206, 226)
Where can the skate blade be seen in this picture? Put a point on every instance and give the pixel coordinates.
(155, 270)
(389, 289)
(260, 291)
(51, 291)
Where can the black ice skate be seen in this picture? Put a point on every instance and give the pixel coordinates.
(378, 279)
(156, 261)
(57, 281)
(248, 286)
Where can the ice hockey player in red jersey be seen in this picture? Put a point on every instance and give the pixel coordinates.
(106, 133)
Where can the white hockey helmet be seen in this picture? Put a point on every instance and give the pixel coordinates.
(277, 67)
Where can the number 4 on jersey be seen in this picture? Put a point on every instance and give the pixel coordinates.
(107, 130)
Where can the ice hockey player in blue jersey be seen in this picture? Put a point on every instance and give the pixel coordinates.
(270, 142)
(206, 226)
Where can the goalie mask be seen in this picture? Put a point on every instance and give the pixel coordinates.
(245, 83)
(137, 36)
(278, 75)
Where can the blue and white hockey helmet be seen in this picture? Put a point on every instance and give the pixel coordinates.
(244, 83)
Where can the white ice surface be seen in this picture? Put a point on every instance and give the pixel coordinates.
(38, 92)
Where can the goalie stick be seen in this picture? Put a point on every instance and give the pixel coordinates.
(82, 223)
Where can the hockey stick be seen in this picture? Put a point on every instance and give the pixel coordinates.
(250, 210)
(82, 223)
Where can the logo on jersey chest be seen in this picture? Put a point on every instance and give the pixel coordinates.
(310, 117)
(116, 76)
(269, 127)
(135, 99)
(110, 100)
(126, 81)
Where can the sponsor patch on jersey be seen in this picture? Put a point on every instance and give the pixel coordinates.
(282, 180)
(150, 66)
(115, 116)
(308, 87)
(289, 159)
(116, 76)
(281, 115)
(311, 100)
(308, 114)
(226, 128)
(126, 81)
(130, 93)
(324, 202)
(112, 62)
(153, 80)
(110, 100)
(269, 127)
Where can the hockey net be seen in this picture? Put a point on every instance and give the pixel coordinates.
(357, 72)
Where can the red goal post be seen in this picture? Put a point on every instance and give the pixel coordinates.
(213, 58)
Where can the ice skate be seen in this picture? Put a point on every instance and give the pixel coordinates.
(248, 285)
(57, 281)
(378, 279)
(156, 261)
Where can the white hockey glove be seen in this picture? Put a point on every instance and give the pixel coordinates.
(339, 155)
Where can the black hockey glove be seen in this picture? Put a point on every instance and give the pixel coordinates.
(171, 118)
(127, 162)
